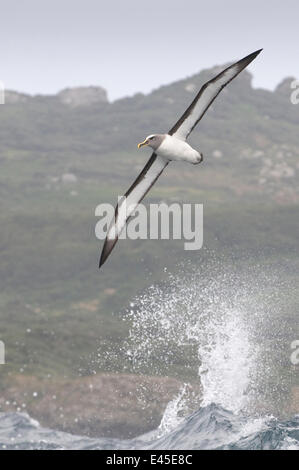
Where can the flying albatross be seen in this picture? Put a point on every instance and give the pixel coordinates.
(168, 147)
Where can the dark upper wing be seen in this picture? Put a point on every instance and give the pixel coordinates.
(131, 199)
(206, 96)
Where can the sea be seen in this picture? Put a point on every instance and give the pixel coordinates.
(231, 332)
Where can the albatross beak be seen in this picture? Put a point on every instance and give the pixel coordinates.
(145, 142)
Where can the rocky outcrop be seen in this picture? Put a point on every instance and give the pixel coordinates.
(13, 97)
(69, 178)
(110, 405)
(285, 88)
(73, 97)
(83, 96)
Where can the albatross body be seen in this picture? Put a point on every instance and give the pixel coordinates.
(169, 147)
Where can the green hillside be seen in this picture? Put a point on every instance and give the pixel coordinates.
(58, 162)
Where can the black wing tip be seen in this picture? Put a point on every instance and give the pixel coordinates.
(241, 64)
(102, 261)
(107, 248)
(253, 55)
(104, 255)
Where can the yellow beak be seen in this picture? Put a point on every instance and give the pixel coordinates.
(145, 142)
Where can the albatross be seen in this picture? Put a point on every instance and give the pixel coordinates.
(169, 147)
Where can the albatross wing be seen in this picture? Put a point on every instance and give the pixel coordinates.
(206, 95)
(131, 199)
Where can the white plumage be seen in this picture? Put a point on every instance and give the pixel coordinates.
(173, 148)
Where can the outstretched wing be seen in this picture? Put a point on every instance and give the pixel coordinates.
(131, 199)
(205, 97)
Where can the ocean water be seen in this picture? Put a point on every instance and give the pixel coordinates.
(227, 330)
(211, 427)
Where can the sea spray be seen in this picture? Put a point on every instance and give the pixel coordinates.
(218, 326)
(223, 329)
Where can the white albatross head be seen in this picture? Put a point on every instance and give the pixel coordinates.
(153, 140)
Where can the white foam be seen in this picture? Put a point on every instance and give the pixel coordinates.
(216, 325)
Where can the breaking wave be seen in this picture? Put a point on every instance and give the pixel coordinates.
(224, 336)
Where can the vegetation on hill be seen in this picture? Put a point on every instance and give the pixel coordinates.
(58, 162)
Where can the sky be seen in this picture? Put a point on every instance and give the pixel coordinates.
(130, 46)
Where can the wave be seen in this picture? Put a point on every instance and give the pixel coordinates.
(225, 331)
(211, 427)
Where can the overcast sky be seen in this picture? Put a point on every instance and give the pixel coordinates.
(128, 46)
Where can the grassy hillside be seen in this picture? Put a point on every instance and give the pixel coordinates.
(59, 162)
